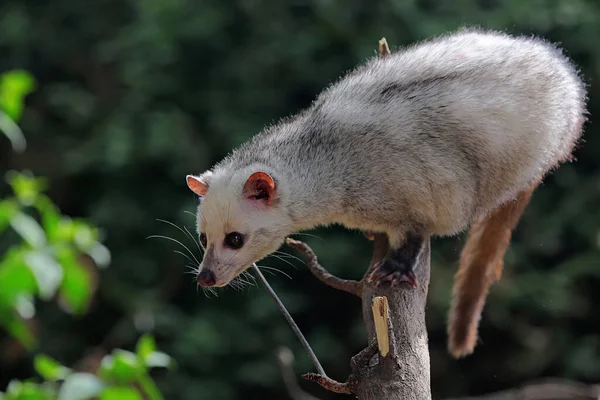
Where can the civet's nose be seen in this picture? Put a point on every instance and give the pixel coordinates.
(206, 278)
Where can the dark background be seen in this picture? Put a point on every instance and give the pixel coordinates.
(134, 95)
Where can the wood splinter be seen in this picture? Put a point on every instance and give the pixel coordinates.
(384, 49)
(381, 319)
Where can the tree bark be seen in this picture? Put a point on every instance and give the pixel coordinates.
(401, 371)
(404, 374)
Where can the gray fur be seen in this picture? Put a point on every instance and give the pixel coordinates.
(427, 139)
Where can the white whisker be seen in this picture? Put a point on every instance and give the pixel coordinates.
(308, 234)
(282, 254)
(282, 259)
(185, 255)
(198, 244)
(191, 213)
(176, 241)
(247, 274)
(186, 232)
(274, 269)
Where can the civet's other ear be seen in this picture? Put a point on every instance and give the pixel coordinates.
(197, 184)
(260, 187)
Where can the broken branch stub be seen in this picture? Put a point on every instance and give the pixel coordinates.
(395, 366)
(380, 319)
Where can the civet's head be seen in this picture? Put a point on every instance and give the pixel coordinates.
(240, 221)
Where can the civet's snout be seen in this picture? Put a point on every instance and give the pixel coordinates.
(206, 278)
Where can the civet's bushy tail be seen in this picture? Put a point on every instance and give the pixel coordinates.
(481, 264)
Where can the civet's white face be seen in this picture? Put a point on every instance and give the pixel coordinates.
(240, 221)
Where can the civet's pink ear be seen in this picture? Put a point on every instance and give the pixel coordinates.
(260, 186)
(196, 185)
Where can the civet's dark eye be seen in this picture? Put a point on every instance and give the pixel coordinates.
(203, 239)
(234, 240)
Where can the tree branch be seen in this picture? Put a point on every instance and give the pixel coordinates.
(329, 384)
(350, 286)
(403, 372)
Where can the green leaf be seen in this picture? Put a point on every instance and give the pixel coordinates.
(48, 273)
(51, 218)
(80, 386)
(145, 346)
(15, 278)
(121, 367)
(26, 188)
(120, 393)
(76, 232)
(8, 209)
(14, 86)
(29, 229)
(85, 236)
(76, 286)
(28, 390)
(50, 369)
(149, 387)
(146, 350)
(17, 328)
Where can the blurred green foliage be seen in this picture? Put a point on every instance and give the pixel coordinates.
(45, 259)
(14, 86)
(133, 95)
(123, 375)
(44, 262)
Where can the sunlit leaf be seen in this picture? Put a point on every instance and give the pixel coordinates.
(15, 277)
(80, 386)
(158, 359)
(50, 369)
(147, 353)
(8, 209)
(145, 346)
(48, 273)
(84, 235)
(14, 86)
(12, 131)
(26, 188)
(76, 286)
(65, 230)
(51, 218)
(121, 367)
(14, 386)
(100, 254)
(24, 306)
(29, 229)
(120, 393)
